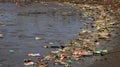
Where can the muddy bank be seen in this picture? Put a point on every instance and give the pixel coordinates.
(111, 59)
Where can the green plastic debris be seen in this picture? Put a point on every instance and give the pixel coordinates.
(105, 51)
(77, 44)
(68, 43)
(11, 51)
(113, 26)
(57, 55)
(66, 48)
(85, 14)
(98, 51)
(69, 61)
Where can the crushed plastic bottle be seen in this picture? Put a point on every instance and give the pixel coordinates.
(101, 51)
(51, 43)
(105, 51)
(11, 51)
(1, 35)
(69, 61)
(28, 62)
(98, 52)
(34, 54)
(87, 53)
(54, 51)
(38, 38)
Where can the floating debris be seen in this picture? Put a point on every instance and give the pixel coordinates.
(28, 62)
(1, 35)
(51, 43)
(34, 54)
(1, 23)
(38, 38)
(11, 51)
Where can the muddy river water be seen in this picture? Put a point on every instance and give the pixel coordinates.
(21, 25)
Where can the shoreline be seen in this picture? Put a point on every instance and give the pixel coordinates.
(111, 59)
